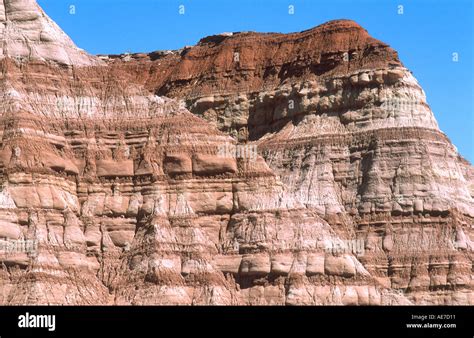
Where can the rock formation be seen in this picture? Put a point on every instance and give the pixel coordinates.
(29, 34)
(301, 168)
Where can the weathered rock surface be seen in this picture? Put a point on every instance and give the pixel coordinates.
(29, 34)
(126, 197)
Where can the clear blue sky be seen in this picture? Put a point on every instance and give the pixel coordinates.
(426, 35)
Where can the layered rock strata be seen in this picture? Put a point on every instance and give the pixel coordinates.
(29, 34)
(123, 196)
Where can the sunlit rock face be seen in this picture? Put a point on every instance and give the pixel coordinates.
(304, 168)
(29, 34)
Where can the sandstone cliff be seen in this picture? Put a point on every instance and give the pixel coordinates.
(113, 168)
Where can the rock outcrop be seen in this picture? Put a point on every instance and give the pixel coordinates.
(304, 168)
(28, 34)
